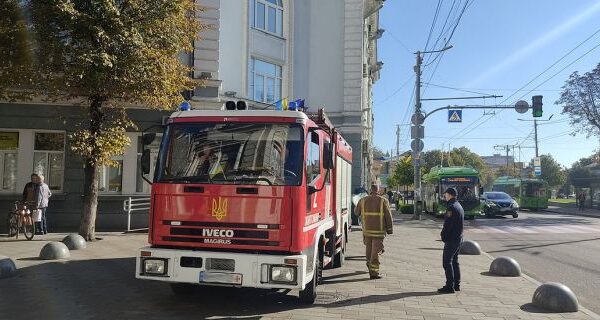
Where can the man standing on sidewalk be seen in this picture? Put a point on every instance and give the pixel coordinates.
(581, 199)
(452, 235)
(376, 218)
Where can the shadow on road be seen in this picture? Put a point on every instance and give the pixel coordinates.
(106, 288)
(376, 298)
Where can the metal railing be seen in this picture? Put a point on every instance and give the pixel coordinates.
(135, 204)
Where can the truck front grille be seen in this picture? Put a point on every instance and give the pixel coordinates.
(220, 264)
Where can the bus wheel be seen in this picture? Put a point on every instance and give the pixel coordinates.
(309, 294)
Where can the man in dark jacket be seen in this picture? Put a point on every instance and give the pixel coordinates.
(452, 235)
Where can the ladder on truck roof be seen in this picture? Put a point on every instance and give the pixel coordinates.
(322, 120)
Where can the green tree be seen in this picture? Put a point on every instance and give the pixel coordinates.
(580, 99)
(509, 171)
(404, 173)
(15, 52)
(105, 55)
(552, 172)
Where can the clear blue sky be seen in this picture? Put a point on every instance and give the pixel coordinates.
(499, 46)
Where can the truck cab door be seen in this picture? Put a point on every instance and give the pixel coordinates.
(315, 177)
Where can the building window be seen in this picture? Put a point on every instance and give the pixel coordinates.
(141, 185)
(265, 81)
(9, 144)
(110, 179)
(49, 156)
(267, 15)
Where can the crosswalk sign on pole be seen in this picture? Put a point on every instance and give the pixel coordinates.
(454, 115)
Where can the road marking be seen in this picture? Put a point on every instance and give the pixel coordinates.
(561, 229)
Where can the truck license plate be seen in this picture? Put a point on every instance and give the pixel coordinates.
(220, 277)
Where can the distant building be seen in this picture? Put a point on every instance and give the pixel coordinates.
(497, 160)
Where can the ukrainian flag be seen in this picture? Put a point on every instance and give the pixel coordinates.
(282, 104)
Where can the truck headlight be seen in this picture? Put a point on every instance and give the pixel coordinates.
(283, 274)
(155, 267)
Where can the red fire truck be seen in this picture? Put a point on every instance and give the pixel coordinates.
(247, 198)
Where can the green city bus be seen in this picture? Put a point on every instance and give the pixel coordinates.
(529, 193)
(466, 182)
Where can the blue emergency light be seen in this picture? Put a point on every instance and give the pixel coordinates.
(185, 106)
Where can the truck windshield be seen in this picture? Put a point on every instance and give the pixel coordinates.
(232, 153)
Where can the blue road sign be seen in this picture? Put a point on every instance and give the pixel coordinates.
(454, 115)
(537, 171)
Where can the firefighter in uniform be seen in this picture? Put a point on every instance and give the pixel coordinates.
(376, 218)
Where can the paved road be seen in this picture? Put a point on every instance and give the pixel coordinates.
(549, 247)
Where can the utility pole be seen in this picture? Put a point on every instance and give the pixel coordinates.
(536, 138)
(397, 140)
(417, 133)
(535, 131)
(506, 147)
(416, 152)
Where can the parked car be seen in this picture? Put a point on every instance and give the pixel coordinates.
(571, 196)
(499, 204)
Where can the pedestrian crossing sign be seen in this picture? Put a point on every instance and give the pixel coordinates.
(454, 115)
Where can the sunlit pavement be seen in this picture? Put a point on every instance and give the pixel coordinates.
(549, 247)
(99, 283)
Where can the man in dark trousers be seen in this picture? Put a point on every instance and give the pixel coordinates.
(377, 221)
(452, 235)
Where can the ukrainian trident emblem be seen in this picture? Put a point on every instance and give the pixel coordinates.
(219, 208)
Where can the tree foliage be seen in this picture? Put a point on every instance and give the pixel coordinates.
(580, 98)
(552, 172)
(404, 172)
(508, 171)
(106, 55)
(15, 52)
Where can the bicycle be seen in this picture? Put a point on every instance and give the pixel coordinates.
(20, 219)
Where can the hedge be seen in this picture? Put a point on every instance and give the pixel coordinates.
(407, 209)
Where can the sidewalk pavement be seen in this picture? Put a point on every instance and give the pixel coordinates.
(572, 210)
(98, 283)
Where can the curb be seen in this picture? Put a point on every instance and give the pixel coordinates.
(573, 214)
(584, 310)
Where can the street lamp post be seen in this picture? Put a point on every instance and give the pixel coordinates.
(417, 144)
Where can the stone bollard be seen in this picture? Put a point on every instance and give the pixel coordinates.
(7, 267)
(74, 242)
(54, 250)
(555, 297)
(470, 247)
(506, 267)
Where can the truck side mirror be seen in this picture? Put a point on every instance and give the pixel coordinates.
(145, 161)
(148, 138)
(328, 155)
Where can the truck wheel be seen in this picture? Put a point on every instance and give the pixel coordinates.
(309, 294)
(340, 258)
(181, 289)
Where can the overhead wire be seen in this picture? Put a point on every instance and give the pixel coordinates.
(531, 81)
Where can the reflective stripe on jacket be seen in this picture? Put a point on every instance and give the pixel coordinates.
(375, 223)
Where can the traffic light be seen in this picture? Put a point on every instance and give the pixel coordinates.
(536, 106)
